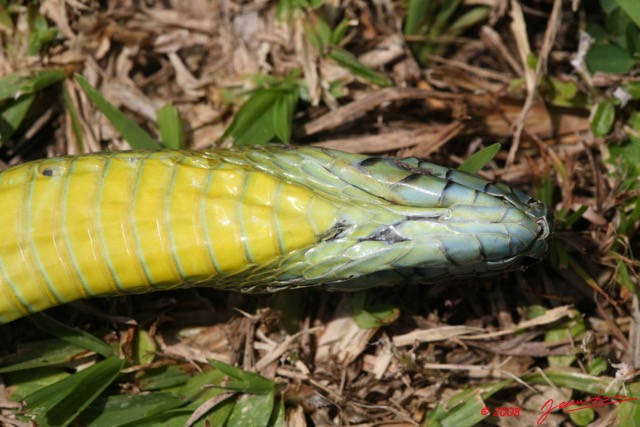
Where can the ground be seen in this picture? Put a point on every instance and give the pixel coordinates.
(554, 82)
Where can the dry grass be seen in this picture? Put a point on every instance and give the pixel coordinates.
(202, 54)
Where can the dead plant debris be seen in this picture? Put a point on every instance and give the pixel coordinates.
(516, 75)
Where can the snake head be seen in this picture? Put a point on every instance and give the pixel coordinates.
(543, 216)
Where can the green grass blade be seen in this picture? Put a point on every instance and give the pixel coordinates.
(59, 404)
(351, 63)
(164, 377)
(571, 378)
(137, 137)
(20, 384)
(73, 336)
(468, 19)
(242, 381)
(417, 14)
(41, 354)
(278, 416)
(126, 408)
(447, 8)
(575, 216)
(22, 83)
(12, 116)
(40, 33)
(480, 159)
(171, 128)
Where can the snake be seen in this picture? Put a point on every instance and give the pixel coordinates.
(254, 219)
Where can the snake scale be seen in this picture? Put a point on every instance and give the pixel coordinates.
(260, 218)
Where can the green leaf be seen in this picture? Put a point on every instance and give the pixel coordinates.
(563, 94)
(447, 8)
(144, 347)
(480, 159)
(173, 418)
(40, 33)
(59, 404)
(253, 123)
(339, 32)
(351, 63)
(574, 329)
(21, 384)
(628, 413)
(603, 118)
(463, 409)
(468, 19)
(194, 388)
(286, 8)
(617, 23)
(171, 128)
(624, 279)
(251, 410)
(319, 33)
(597, 32)
(575, 216)
(12, 115)
(283, 117)
(597, 366)
(629, 151)
(71, 335)
(219, 415)
(544, 191)
(631, 8)
(278, 418)
(583, 417)
(41, 354)
(242, 381)
(609, 59)
(627, 222)
(632, 39)
(164, 377)
(126, 408)
(266, 115)
(137, 137)
(369, 314)
(608, 6)
(22, 83)
(417, 13)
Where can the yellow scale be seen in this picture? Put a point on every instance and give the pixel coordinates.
(134, 222)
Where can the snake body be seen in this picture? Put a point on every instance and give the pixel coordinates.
(252, 219)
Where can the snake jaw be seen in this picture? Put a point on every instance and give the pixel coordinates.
(545, 219)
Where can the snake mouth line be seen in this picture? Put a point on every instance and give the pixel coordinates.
(542, 244)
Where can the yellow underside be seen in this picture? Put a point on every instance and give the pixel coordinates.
(133, 222)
